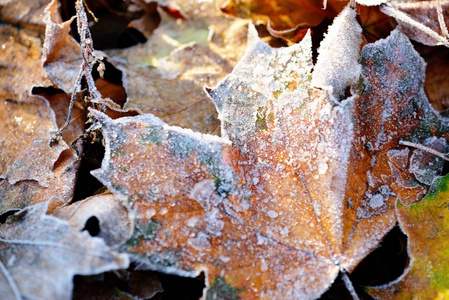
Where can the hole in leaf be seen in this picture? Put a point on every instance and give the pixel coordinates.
(92, 226)
(385, 263)
(6, 214)
(181, 288)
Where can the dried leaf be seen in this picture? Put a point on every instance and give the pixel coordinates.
(419, 20)
(166, 75)
(40, 254)
(426, 226)
(26, 14)
(296, 191)
(30, 170)
(113, 218)
(285, 14)
(61, 54)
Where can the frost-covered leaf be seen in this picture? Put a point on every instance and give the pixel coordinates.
(61, 53)
(114, 223)
(419, 20)
(166, 75)
(30, 170)
(40, 254)
(426, 225)
(296, 191)
(26, 13)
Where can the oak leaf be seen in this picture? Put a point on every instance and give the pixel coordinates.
(303, 183)
(30, 170)
(40, 254)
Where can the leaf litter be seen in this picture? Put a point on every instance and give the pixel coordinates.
(210, 204)
(39, 246)
(213, 205)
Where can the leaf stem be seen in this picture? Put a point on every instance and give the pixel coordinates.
(424, 148)
(349, 286)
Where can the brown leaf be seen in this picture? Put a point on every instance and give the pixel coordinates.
(26, 14)
(40, 254)
(61, 53)
(30, 170)
(286, 14)
(304, 182)
(419, 20)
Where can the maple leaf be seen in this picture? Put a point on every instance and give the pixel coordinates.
(301, 187)
(27, 175)
(425, 224)
(40, 254)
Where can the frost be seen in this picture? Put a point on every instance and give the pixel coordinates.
(272, 214)
(204, 193)
(376, 201)
(338, 65)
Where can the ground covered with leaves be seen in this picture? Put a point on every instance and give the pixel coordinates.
(224, 149)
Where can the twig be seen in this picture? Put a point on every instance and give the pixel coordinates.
(424, 148)
(89, 60)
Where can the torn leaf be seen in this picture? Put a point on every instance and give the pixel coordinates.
(40, 254)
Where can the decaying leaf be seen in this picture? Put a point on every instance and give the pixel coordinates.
(61, 54)
(166, 75)
(426, 225)
(284, 15)
(300, 187)
(40, 254)
(30, 170)
(114, 223)
(419, 20)
(26, 14)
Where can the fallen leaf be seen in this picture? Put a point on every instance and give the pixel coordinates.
(30, 170)
(114, 223)
(285, 14)
(419, 20)
(166, 75)
(26, 14)
(40, 254)
(62, 57)
(426, 226)
(299, 189)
